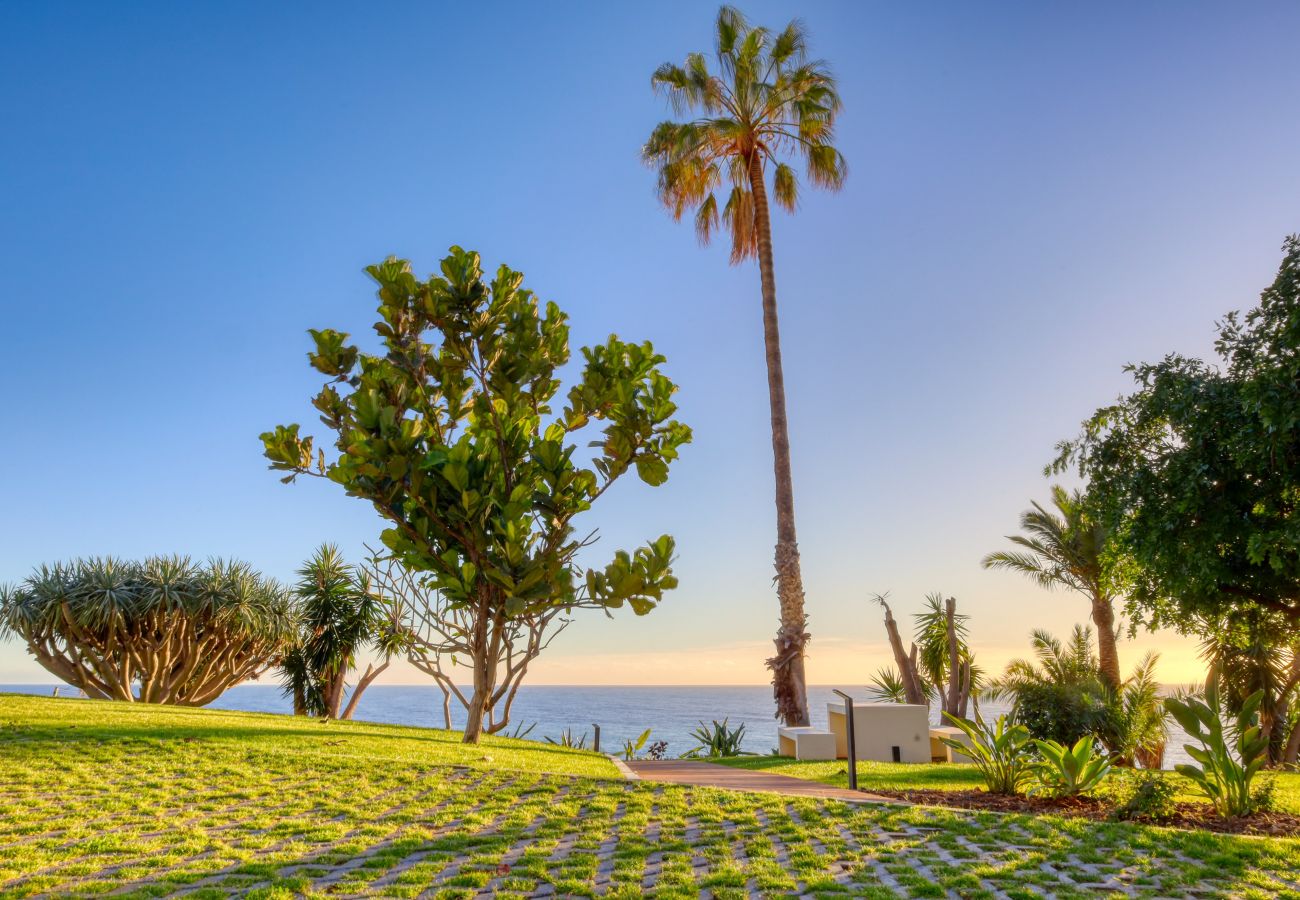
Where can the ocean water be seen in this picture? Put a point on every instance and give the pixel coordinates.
(623, 712)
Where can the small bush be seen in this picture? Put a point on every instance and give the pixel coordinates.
(1142, 796)
(1063, 712)
(1069, 771)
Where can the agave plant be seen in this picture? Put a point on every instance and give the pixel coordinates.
(568, 738)
(165, 630)
(718, 740)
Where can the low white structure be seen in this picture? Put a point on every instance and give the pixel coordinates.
(941, 751)
(885, 732)
(805, 742)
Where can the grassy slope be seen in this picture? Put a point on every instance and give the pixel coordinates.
(878, 776)
(82, 721)
(144, 802)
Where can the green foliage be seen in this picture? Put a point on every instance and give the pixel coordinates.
(456, 443)
(1062, 712)
(1196, 472)
(631, 748)
(1058, 695)
(1257, 650)
(1229, 758)
(569, 740)
(718, 740)
(887, 686)
(1001, 752)
(451, 433)
(1061, 696)
(931, 636)
(1138, 726)
(1069, 771)
(764, 99)
(165, 630)
(340, 616)
(1142, 796)
(1058, 549)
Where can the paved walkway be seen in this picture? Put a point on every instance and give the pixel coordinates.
(707, 774)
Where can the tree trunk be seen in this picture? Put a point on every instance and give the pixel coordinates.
(334, 686)
(954, 704)
(362, 683)
(912, 689)
(485, 648)
(789, 684)
(1291, 755)
(1103, 616)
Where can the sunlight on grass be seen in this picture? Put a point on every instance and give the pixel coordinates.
(145, 801)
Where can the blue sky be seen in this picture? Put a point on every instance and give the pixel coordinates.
(1037, 195)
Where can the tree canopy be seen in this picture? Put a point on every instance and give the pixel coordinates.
(765, 101)
(165, 630)
(451, 433)
(1197, 471)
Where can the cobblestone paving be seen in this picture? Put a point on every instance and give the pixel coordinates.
(461, 832)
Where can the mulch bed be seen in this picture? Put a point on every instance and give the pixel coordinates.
(1187, 815)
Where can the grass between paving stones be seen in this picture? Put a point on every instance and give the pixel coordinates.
(878, 776)
(146, 802)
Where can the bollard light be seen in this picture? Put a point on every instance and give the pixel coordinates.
(853, 748)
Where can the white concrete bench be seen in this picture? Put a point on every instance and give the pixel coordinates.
(939, 751)
(885, 732)
(805, 742)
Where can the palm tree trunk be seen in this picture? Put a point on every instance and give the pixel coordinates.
(789, 684)
(1103, 616)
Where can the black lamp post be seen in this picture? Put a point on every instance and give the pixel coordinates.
(853, 749)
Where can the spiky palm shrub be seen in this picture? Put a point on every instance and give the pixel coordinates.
(1062, 695)
(340, 617)
(165, 630)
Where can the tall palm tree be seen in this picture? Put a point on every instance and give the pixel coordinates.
(1065, 550)
(765, 102)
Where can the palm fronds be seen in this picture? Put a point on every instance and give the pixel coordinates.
(764, 101)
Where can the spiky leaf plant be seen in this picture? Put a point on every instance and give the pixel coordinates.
(165, 630)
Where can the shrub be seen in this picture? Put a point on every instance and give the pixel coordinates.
(1228, 758)
(1064, 713)
(569, 738)
(1000, 752)
(1070, 771)
(165, 630)
(1142, 796)
(718, 740)
(631, 747)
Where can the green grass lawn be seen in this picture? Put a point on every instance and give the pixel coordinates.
(878, 776)
(99, 798)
